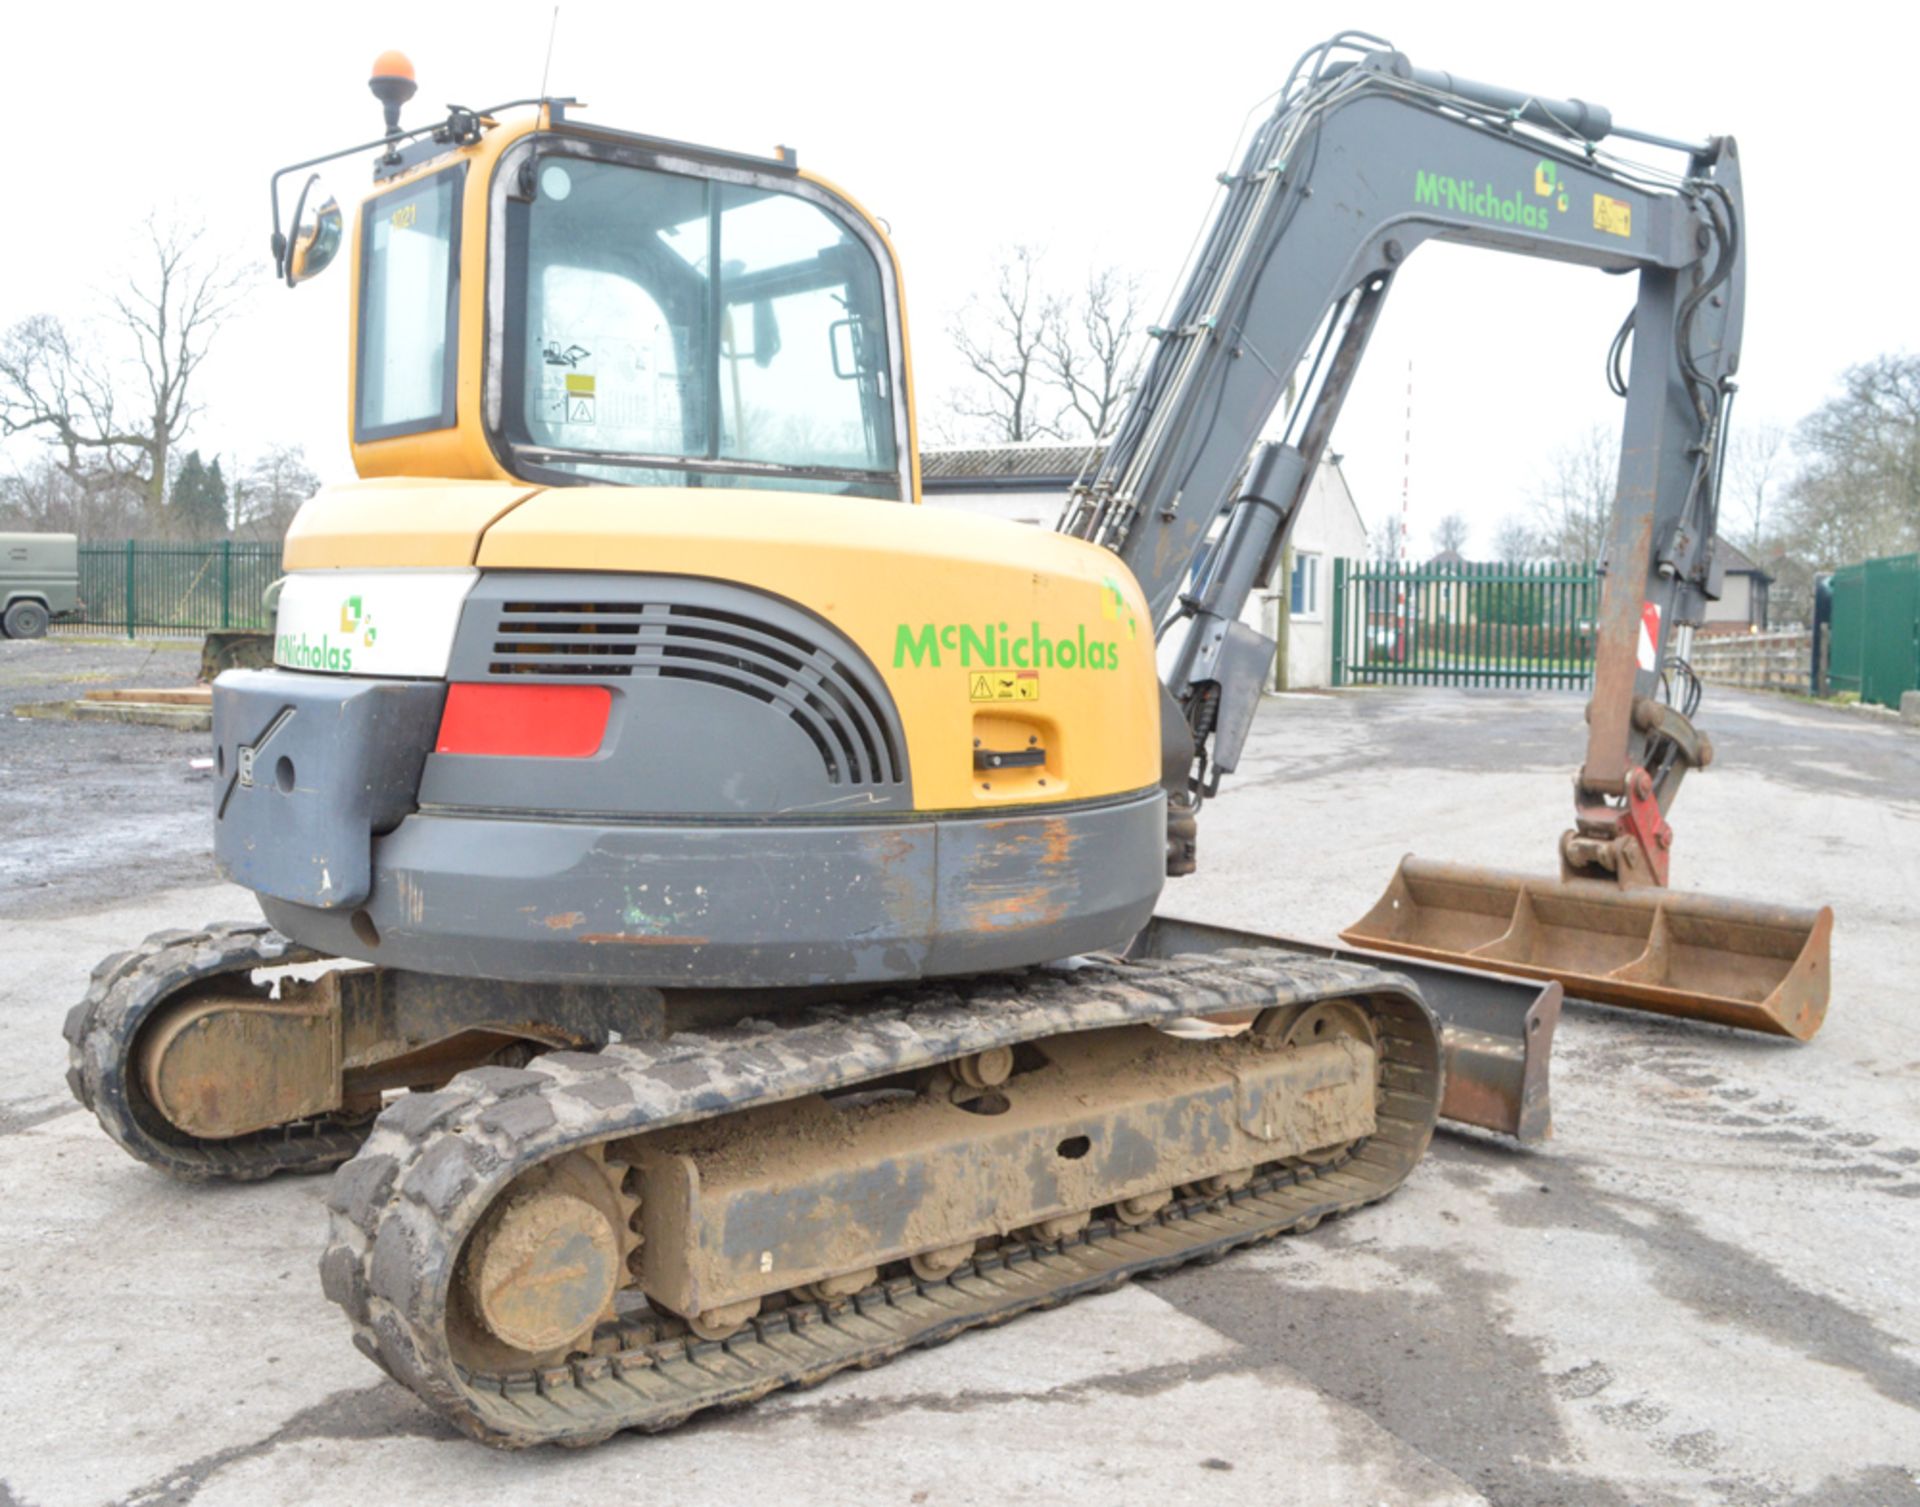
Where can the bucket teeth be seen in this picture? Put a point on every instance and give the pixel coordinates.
(1698, 957)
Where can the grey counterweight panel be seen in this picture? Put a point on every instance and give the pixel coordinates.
(311, 767)
(725, 702)
(749, 905)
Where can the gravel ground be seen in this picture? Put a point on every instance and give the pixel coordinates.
(1700, 1290)
(87, 806)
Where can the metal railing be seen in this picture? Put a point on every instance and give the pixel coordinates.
(1464, 624)
(138, 587)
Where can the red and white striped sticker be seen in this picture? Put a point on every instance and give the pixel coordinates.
(1649, 636)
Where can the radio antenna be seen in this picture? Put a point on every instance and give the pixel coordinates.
(547, 68)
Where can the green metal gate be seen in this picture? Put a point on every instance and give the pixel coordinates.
(173, 588)
(1873, 645)
(1464, 624)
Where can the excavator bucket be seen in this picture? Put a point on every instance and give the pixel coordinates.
(1699, 957)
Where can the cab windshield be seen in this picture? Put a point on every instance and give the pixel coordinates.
(679, 330)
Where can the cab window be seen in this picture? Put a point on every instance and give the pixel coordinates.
(408, 309)
(678, 330)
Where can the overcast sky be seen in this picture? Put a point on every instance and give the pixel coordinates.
(1092, 130)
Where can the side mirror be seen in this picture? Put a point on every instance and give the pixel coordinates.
(316, 235)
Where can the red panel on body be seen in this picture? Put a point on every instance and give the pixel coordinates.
(525, 721)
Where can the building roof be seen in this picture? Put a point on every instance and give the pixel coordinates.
(1040, 465)
(1735, 561)
(976, 470)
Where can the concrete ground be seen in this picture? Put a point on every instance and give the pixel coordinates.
(1702, 1289)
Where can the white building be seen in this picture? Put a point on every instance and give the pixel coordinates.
(1028, 483)
(1742, 607)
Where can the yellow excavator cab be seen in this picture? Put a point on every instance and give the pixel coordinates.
(542, 300)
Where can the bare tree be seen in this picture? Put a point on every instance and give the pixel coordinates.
(1450, 534)
(1513, 540)
(52, 392)
(1857, 493)
(1001, 338)
(1575, 502)
(1756, 467)
(47, 497)
(268, 491)
(1087, 347)
(119, 400)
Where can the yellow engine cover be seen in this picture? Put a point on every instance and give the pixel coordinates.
(991, 635)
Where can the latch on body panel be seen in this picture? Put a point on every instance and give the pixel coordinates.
(1008, 758)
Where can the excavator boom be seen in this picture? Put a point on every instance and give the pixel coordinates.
(1364, 160)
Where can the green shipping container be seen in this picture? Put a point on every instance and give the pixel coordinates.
(1873, 644)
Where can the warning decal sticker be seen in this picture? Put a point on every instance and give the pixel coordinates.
(1649, 656)
(579, 398)
(1004, 685)
(566, 390)
(1614, 216)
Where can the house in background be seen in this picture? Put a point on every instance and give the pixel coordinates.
(1028, 483)
(1742, 607)
(1300, 611)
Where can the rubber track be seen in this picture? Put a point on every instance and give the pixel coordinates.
(125, 991)
(403, 1208)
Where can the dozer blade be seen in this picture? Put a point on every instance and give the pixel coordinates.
(1699, 957)
(1496, 1031)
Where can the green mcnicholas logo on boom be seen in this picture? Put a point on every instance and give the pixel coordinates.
(1483, 201)
(996, 647)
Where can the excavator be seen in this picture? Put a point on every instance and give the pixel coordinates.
(710, 900)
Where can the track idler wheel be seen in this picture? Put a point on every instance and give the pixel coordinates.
(541, 1271)
(1304, 1025)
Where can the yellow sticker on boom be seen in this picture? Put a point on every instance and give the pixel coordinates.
(1004, 685)
(1614, 216)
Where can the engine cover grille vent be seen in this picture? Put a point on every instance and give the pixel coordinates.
(827, 690)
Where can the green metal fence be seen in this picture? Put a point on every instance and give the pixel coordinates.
(1873, 645)
(134, 587)
(1463, 624)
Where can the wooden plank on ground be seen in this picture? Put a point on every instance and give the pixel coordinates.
(190, 695)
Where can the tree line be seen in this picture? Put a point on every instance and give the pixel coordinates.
(1840, 486)
(100, 411)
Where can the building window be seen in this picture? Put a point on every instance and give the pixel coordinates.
(1303, 596)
